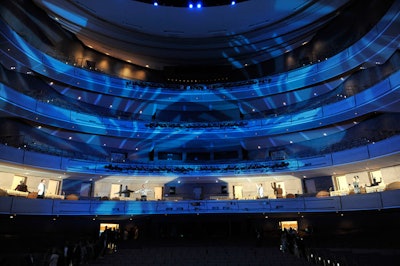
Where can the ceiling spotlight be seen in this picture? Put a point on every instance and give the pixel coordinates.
(198, 5)
(190, 5)
(155, 3)
(233, 3)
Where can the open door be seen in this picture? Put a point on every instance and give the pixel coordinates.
(197, 193)
(238, 192)
(115, 189)
(341, 183)
(86, 189)
(310, 186)
(158, 192)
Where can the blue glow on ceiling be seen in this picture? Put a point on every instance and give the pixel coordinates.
(78, 20)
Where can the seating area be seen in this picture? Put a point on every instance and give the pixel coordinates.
(201, 255)
(368, 189)
(129, 253)
(346, 256)
(16, 193)
(269, 137)
(30, 195)
(54, 196)
(12, 192)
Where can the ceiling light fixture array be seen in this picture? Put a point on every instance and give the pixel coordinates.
(192, 4)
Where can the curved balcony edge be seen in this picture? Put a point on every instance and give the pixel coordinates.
(384, 200)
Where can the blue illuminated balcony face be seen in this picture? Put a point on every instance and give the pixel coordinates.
(88, 108)
(363, 202)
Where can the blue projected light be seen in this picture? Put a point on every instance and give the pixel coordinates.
(155, 3)
(190, 5)
(198, 5)
(78, 20)
(233, 3)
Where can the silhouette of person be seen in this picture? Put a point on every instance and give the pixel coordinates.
(277, 190)
(22, 187)
(374, 182)
(28, 259)
(127, 192)
(53, 261)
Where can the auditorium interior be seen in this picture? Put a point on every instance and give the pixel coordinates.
(202, 132)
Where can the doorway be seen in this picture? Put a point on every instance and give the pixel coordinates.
(17, 179)
(238, 192)
(197, 193)
(115, 190)
(158, 192)
(86, 189)
(53, 187)
(341, 183)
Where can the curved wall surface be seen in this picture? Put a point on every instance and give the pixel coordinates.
(252, 103)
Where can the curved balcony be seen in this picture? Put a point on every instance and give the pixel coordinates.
(362, 202)
(381, 97)
(343, 156)
(376, 46)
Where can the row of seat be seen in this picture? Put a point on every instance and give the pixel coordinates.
(200, 255)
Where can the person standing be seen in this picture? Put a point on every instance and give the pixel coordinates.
(53, 261)
(356, 182)
(41, 189)
(260, 191)
(127, 192)
(143, 193)
(22, 187)
(278, 191)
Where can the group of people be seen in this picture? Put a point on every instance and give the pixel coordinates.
(292, 243)
(41, 188)
(142, 191)
(277, 190)
(358, 188)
